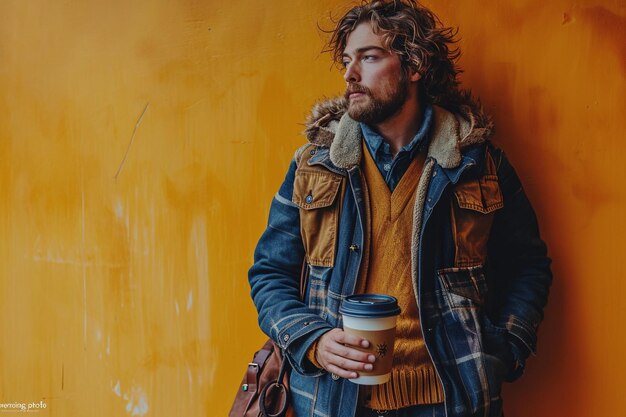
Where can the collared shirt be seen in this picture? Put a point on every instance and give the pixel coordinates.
(392, 169)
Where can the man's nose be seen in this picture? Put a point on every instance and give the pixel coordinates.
(352, 74)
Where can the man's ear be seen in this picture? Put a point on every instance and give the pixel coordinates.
(414, 75)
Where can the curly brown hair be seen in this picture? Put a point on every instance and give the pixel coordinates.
(418, 37)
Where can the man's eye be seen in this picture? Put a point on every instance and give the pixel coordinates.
(345, 63)
(370, 58)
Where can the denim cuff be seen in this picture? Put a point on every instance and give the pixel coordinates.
(298, 349)
(523, 335)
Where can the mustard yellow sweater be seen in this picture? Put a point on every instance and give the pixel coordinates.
(387, 270)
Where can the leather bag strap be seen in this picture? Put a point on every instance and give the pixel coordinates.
(254, 367)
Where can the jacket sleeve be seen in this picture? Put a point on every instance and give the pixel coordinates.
(275, 282)
(520, 260)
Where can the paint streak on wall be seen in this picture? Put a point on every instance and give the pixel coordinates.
(141, 144)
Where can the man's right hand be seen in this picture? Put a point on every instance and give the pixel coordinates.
(336, 354)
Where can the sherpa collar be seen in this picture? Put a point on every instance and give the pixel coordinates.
(329, 125)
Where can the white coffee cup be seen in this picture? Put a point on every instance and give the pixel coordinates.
(372, 317)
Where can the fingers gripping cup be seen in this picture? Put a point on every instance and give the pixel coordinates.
(372, 317)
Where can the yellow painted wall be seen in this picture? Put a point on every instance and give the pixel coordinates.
(141, 143)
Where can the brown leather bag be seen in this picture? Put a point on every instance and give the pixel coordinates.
(264, 390)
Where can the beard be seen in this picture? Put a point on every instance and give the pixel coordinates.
(374, 109)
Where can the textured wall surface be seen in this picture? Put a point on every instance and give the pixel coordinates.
(140, 146)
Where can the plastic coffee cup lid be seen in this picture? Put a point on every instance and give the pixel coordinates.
(370, 306)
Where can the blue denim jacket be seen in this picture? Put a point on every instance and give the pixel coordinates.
(476, 299)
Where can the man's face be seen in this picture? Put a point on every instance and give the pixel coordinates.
(377, 84)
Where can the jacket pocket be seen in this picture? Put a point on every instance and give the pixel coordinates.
(464, 287)
(472, 216)
(482, 195)
(315, 193)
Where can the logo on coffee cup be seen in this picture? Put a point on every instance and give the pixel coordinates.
(381, 350)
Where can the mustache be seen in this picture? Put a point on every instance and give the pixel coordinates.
(355, 88)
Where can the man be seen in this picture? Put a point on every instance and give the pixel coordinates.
(400, 192)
